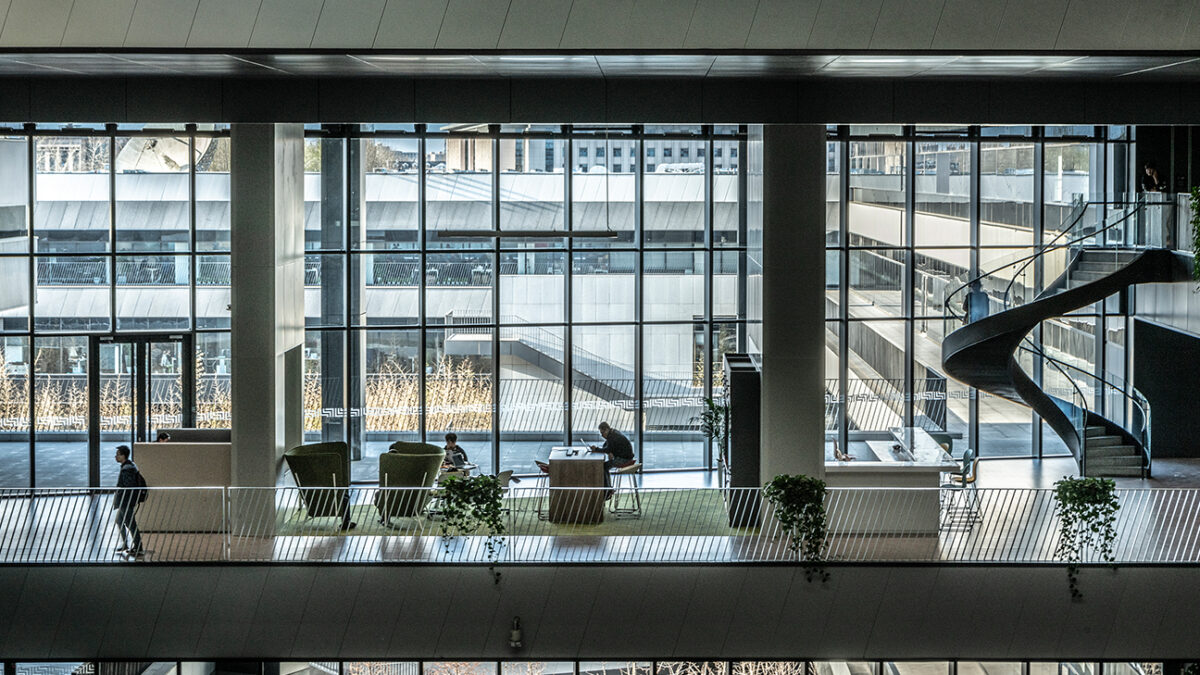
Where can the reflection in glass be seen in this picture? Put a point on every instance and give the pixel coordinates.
(153, 292)
(391, 204)
(458, 189)
(600, 199)
(153, 193)
(877, 193)
(72, 294)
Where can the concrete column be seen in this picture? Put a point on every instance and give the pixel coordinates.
(793, 300)
(267, 199)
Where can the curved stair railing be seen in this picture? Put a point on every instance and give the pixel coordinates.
(1088, 259)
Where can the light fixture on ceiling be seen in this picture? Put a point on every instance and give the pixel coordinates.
(606, 233)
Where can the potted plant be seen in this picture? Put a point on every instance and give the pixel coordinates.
(714, 422)
(1087, 512)
(472, 505)
(799, 506)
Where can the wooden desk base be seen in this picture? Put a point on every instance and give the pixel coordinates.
(584, 507)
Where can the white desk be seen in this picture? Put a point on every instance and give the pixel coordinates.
(912, 459)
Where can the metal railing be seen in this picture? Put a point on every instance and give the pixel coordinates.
(563, 525)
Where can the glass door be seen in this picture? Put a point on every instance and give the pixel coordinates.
(138, 385)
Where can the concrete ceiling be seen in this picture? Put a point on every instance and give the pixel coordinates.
(483, 25)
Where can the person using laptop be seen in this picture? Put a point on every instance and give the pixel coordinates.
(456, 457)
(618, 449)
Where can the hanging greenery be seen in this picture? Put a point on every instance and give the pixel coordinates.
(471, 505)
(1194, 199)
(1087, 512)
(799, 503)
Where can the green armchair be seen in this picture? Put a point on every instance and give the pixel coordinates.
(407, 465)
(322, 465)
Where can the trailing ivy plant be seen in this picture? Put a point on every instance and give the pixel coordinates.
(1194, 199)
(1087, 512)
(799, 503)
(472, 505)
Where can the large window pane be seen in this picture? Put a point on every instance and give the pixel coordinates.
(673, 193)
(458, 189)
(73, 294)
(14, 234)
(153, 293)
(532, 399)
(532, 187)
(213, 363)
(212, 291)
(71, 213)
(942, 199)
(392, 218)
(212, 194)
(531, 287)
(458, 389)
(1006, 183)
(726, 194)
(602, 286)
(458, 288)
(876, 282)
(391, 392)
(875, 380)
(877, 193)
(833, 193)
(61, 393)
(603, 387)
(386, 288)
(153, 194)
(673, 285)
(673, 394)
(324, 289)
(14, 412)
(602, 200)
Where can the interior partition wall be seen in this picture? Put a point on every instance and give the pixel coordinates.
(417, 327)
(114, 293)
(913, 214)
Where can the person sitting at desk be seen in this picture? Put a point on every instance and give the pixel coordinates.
(456, 457)
(619, 451)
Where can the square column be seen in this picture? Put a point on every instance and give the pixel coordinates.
(267, 279)
(793, 299)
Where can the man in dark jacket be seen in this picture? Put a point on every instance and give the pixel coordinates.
(617, 447)
(125, 503)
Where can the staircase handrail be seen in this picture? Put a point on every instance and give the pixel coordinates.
(1137, 398)
(1139, 205)
(1078, 211)
(1081, 426)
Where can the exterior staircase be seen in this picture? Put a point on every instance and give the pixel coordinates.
(984, 353)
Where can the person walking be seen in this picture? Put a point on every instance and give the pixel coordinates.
(125, 503)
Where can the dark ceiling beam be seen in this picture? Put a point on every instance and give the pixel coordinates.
(584, 100)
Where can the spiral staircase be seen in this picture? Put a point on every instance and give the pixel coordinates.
(1101, 249)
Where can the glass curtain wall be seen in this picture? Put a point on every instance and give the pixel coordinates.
(106, 230)
(421, 321)
(912, 213)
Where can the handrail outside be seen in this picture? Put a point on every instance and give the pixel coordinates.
(678, 525)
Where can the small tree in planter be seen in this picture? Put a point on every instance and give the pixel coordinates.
(714, 422)
(1087, 511)
(472, 505)
(799, 503)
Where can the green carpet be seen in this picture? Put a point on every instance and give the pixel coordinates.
(667, 512)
